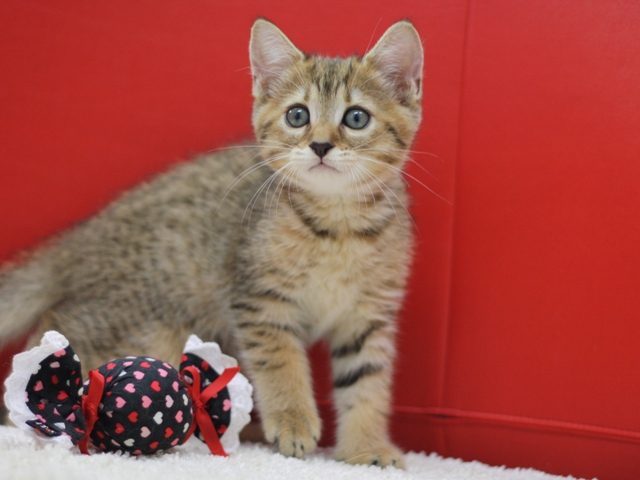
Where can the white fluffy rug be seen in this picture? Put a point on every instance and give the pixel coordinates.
(23, 457)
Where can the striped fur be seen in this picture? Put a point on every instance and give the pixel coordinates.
(265, 248)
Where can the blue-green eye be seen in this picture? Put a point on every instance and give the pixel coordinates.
(356, 118)
(297, 117)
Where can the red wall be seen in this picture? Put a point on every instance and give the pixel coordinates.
(519, 341)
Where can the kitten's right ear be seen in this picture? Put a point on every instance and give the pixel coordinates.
(271, 52)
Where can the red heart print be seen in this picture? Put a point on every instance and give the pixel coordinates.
(111, 365)
(155, 385)
(62, 395)
(145, 365)
(119, 428)
(153, 445)
(168, 432)
(133, 417)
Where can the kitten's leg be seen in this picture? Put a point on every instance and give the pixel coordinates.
(362, 374)
(278, 366)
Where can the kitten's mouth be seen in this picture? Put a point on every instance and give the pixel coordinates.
(323, 167)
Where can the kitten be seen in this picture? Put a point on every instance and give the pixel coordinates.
(263, 248)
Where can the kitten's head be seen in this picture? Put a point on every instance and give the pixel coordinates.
(331, 124)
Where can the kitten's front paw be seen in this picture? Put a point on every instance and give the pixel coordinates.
(293, 432)
(383, 455)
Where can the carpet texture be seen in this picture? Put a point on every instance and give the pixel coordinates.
(25, 458)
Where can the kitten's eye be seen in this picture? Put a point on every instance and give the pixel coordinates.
(297, 117)
(356, 118)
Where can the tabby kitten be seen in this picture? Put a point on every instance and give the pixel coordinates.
(263, 248)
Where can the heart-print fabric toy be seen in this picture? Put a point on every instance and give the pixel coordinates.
(139, 405)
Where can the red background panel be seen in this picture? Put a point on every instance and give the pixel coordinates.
(546, 266)
(519, 338)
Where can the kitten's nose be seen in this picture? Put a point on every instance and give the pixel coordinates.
(321, 149)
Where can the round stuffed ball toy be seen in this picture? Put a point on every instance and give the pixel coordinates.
(146, 407)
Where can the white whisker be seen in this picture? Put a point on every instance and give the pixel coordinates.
(280, 187)
(402, 172)
(402, 150)
(248, 172)
(408, 159)
(263, 188)
(383, 186)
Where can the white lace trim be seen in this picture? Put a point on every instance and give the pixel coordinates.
(240, 390)
(26, 364)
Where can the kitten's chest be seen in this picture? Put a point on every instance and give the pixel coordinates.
(327, 277)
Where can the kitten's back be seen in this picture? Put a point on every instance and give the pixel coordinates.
(176, 225)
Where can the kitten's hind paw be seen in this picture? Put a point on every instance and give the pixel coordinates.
(383, 456)
(292, 432)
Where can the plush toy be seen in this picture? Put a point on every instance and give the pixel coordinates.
(139, 405)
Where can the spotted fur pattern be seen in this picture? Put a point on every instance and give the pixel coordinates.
(265, 248)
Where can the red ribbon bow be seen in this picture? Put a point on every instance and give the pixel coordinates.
(199, 398)
(90, 404)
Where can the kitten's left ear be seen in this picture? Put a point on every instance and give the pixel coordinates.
(271, 53)
(398, 56)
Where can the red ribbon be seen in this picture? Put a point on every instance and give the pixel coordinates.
(90, 404)
(199, 398)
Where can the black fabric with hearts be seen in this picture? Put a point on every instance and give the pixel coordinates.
(219, 407)
(145, 409)
(53, 395)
